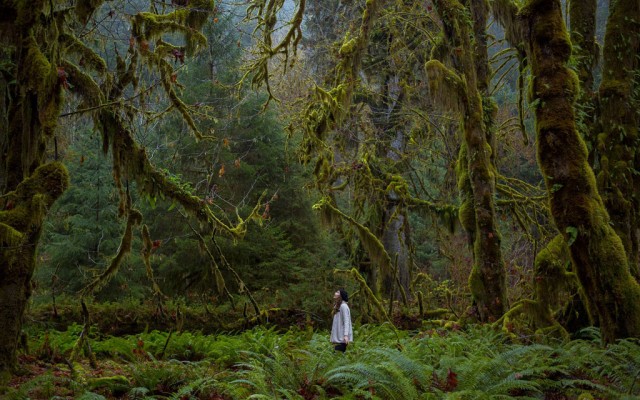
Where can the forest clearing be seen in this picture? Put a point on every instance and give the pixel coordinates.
(315, 199)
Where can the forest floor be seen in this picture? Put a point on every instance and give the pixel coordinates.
(383, 363)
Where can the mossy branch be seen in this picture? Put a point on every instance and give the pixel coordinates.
(265, 14)
(372, 245)
(147, 247)
(129, 157)
(221, 287)
(134, 218)
(166, 72)
(83, 85)
(448, 89)
(86, 55)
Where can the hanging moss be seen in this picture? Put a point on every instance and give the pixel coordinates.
(89, 57)
(148, 26)
(84, 85)
(446, 87)
(373, 246)
(39, 72)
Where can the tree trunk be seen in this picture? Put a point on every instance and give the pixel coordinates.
(30, 104)
(20, 228)
(395, 224)
(394, 240)
(582, 14)
(487, 280)
(618, 141)
(14, 293)
(577, 209)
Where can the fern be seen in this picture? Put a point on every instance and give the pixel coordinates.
(91, 396)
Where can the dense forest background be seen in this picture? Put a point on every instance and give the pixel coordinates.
(467, 171)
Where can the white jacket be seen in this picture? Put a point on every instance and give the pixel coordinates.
(341, 326)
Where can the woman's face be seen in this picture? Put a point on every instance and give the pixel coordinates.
(336, 295)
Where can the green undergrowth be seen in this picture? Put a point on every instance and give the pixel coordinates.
(133, 316)
(382, 363)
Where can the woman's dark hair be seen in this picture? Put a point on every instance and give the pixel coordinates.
(344, 295)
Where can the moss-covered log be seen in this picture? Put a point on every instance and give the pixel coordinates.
(487, 280)
(617, 143)
(578, 211)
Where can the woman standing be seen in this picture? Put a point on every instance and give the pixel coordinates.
(341, 330)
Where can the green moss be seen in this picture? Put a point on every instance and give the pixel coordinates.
(550, 272)
(115, 384)
(37, 68)
(445, 85)
(84, 85)
(90, 58)
(148, 26)
(597, 252)
(347, 47)
(32, 198)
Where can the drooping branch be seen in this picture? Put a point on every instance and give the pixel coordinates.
(134, 218)
(370, 242)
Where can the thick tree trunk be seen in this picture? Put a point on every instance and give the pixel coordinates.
(394, 240)
(577, 209)
(582, 14)
(30, 107)
(14, 293)
(20, 228)
(487, 280)
(395, 224)
(617, 140)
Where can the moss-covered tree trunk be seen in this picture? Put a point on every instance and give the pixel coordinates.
(30, 105)
(582, 14)
(577, 209)
(37, 49)
(487, 280)
(20, 228)
(617, 137)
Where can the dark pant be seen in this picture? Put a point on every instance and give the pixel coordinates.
(341, 347)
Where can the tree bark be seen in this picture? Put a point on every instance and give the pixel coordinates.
(20, 228)
(395, 224)
(30, 107)
(582, 14)
(487, 280)
(617, 139)
(577, 208)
